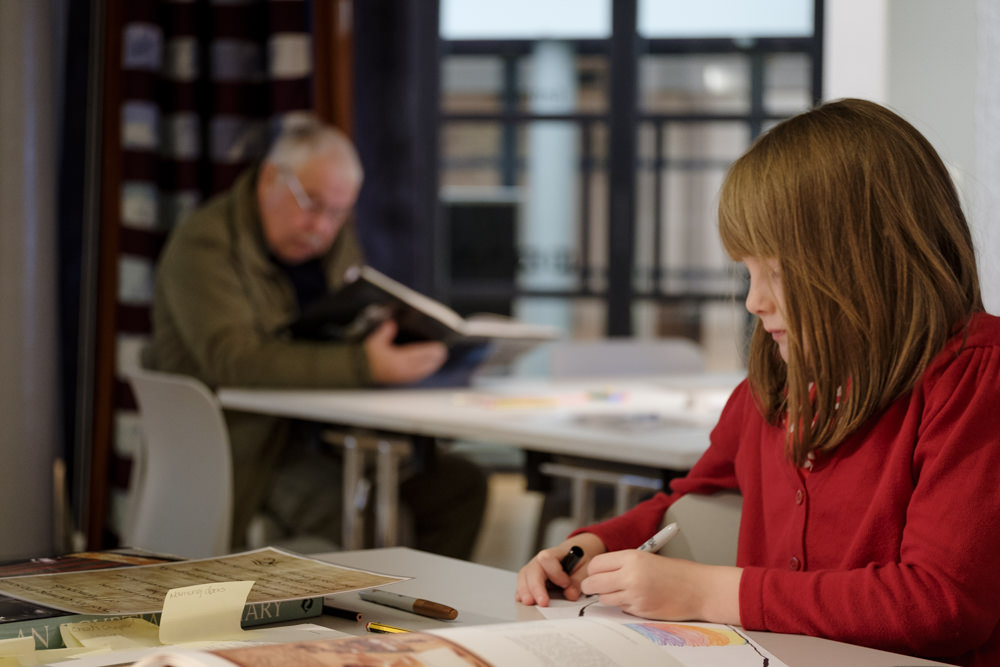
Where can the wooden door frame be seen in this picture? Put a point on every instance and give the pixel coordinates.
(333, 63)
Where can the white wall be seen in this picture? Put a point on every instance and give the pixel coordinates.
(28, 430)
(855, 49)
(986, 216)
(923, 58)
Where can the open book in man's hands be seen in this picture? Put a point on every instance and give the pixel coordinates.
(369, 297)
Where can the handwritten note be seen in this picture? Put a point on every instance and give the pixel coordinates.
(13, 650)
(203, 612)
(114, 634)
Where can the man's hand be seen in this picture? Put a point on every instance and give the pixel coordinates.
(401, 364)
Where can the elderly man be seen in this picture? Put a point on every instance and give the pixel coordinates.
(231, 277)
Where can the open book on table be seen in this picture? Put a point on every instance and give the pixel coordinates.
(369, 297)
(549, 643)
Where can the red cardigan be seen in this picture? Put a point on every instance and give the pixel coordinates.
(893, 541)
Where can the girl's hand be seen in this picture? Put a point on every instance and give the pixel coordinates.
(652, 586)
(546, 566)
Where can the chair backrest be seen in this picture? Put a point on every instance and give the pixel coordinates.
(624, 357)
(709, 528)
(181, 496)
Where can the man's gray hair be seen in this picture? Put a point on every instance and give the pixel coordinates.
(305, 138)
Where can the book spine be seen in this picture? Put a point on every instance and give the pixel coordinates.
(47, 635)
(262, 613)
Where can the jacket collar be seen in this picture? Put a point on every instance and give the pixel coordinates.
(248, 226)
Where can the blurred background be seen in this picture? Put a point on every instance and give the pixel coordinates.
(553, 160)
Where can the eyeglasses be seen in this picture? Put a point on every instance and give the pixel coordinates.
(309, 205)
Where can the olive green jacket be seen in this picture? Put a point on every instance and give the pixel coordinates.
(219, 308)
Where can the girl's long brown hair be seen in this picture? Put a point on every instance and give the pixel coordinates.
(876, 259)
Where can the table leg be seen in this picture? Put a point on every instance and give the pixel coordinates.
(353, 517)
(581, 501)
(387, 491)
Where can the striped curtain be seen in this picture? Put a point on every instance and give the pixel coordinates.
(204, 83)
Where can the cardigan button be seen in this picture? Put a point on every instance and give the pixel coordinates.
(795, 563)
(799, 497)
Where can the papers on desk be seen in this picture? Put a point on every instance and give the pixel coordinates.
(630, 422)
(628, 407)
(499, 400)
(278, 575)
(597, 641)
(188, 613)
(690, 643)
(97, 657)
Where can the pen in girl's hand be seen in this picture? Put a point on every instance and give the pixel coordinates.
(658, 541)
(570, 560)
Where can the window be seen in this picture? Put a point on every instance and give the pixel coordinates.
(531, 131)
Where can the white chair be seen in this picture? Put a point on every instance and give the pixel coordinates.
(709, 528)
(181, 496)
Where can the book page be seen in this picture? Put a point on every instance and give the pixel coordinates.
(581, 642)
(691, 643)
(537, 644)
(279, 575)
(578, 642)
(421, 302)
(195, 654)
(497, 326)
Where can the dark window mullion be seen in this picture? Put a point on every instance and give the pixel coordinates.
(816, 51)
(622, 167)
(508, 175)
(658, 221)
(757, 113)
(586, 169)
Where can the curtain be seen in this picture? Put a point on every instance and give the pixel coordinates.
(203, 85)
(395, 121)
(29, 426)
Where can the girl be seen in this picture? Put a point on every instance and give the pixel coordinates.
(866, 439)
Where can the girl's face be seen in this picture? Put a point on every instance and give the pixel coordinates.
(766, 298)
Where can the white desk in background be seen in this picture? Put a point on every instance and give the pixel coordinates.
(661, 422)
(484, 595)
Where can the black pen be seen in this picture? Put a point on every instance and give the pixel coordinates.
(349, 614)
(570, 560)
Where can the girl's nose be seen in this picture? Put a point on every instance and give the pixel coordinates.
(757, 301)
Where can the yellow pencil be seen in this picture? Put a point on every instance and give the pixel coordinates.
(373, 626)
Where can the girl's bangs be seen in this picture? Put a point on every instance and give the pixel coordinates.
(748, 216)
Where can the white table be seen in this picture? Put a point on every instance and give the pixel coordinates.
(485, 594)
(673, 417)
(531, 414)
